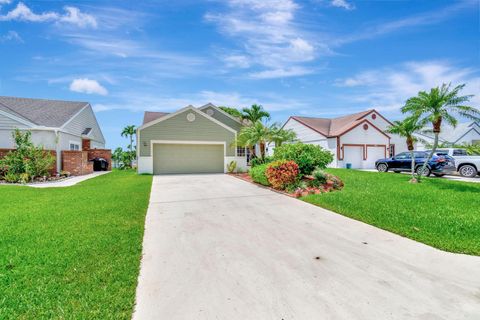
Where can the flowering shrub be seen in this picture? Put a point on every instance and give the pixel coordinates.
(282, 173)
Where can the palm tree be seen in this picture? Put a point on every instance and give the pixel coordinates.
(117, 155)
(254, 114)
(436, 106)
(129, 131)
(278, 135)
(406, 129)
(253, 135)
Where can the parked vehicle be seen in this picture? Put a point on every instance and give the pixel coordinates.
(467, 166)
(439, 165)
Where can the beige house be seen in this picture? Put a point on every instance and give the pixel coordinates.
(190, 140)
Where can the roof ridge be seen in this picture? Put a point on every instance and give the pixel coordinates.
(43, 99)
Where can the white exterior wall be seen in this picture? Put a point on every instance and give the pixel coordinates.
(39, 137)
(241, 163)
(358, 135)
(470, 136)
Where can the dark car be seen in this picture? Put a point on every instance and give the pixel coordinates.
(439, 165)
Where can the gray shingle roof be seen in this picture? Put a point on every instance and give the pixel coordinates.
(42, 112)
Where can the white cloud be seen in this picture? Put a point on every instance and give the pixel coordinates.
(75, 17)
(281, 73)
(11, 36)
(72, 16)
(88, 86)
(342, 4)
(269, 38)
(388, 88)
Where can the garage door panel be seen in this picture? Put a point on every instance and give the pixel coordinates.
(353, 155)
(188, 158)
(373, 154)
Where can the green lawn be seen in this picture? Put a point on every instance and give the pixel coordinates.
(439, 212)
(72, 253)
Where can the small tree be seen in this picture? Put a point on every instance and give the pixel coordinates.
(438, 105)
(117, 155)
(252, 135)
(232, 111)
(255, 114)
(278, 135)
(307, 156)
(406, 129)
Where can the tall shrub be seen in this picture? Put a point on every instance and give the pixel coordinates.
(282, 173)
(307, 156)
(27, 161)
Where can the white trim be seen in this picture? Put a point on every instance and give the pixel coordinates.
(70, 142)
(170, 115)
(15, 118)
(211, 105)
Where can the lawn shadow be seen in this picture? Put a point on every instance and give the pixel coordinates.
(454, 185)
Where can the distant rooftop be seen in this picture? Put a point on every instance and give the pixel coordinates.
(42, 112)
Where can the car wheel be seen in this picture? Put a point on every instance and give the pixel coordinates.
(439, 174)
(468, 171)
(425, 173)
(382, 167)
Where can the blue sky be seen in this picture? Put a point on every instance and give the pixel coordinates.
(314, 58)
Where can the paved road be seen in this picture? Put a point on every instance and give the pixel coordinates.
(216, 247)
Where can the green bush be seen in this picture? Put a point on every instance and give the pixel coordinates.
(258, 161)
(258, 174)
(27, 161)
(307, 156)
(231, 166)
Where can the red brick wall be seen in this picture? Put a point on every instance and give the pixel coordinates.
(85, 144)
(76, 162)
(53, 171)
(101, 153)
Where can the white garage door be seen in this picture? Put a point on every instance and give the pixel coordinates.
(353, 155)
(373, 154)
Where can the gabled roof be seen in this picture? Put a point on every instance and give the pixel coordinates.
(211, 105)
(335, 126)
(152, 115)
(41, 112)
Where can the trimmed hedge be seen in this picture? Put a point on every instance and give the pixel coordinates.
(258, 174)
(307, 156)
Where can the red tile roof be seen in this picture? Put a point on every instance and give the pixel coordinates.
(335, 126)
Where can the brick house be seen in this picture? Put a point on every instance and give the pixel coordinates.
(68, 129)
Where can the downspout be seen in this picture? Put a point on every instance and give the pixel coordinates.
(58, 151)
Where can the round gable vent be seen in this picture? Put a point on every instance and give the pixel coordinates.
(191, 117)
(374, 116)
(365, 126)
(210, 112)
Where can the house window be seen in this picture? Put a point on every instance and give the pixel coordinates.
(241, 152)
(74, 146)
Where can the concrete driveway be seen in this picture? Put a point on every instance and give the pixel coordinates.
(216, 247)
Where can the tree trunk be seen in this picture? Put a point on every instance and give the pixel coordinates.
(434, 148)
(412, 154)
(262, 150)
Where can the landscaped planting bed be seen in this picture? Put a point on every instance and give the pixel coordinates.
(74, 252)
(439, 212)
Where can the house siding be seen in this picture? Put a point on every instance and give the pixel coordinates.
(86, 119)
(9, 123)
(179, 128)
(224, 119)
